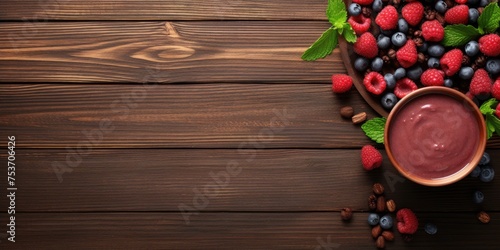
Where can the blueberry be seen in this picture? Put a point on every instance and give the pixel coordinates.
(430, 228)
(361, 64)
(390, 80)
(487, 174)
(478, 197)
(441, 7)
(373, 219)
(414, 73)
(377, 5)
(389, 100)
(423, 48)
(448, 82)
(483, 3)
(386, 222)
(383, 42)
(387, 32)
(485, 159)
(472, 2)
(493, 66)
(398, 39)
(473, 15)
(399, 73)
(377, 64)
(476, 172)
(354, 9)
(433, 62)
(471, 48)
(435, 50)
(482, 97)
(466, 73)
(402, 25)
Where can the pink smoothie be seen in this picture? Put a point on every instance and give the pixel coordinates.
(434, 136)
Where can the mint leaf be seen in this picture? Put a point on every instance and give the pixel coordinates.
(490, 126)
(336, 13)
(459, 34)
(489, 20)
(374, 129)
(488, 107)
(348, 33)
(322, 47)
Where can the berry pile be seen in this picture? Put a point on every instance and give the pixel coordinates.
(400, 48)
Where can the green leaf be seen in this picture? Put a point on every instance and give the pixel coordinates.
(374, 129)
(489, 19)
(322, 47)
(459, 34)
(336, 13)
(488, 107)
(490, 125)
(348, 33)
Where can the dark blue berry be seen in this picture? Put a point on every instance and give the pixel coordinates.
(433, 62)
(390, 80)
(386, 222)
(483, 97)
(383, 42)
(466, 73)
(373, 219)
(485, 159)
(435, 50)
(377, 5)
(471, 48)
(430, 228)
(398, 39)
(361, 64)
(478, 197)
(448, 82)
(389, 100)
(387, 32)
(414, 73)
(354, 9)
(402, 25)
(441, 7)
(473, 15)
(472, 2)
(483, 3)
(487, 174)
(423, 48)
(377, 64)
(493, 66)
(476, 172)
(400, 73)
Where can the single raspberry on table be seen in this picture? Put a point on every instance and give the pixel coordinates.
(407, 55)
(407, 221)
(366, 45)
(413, 12)
(341, 83)
(490, 45)
(387, 18)
(404, 86)
(451, 61)
(363, 2)
(360, 24)
(480, 83)
(371, 158)
(374, 83)
(495, 89)
(432, 77)
(432, 31)
(458, 14)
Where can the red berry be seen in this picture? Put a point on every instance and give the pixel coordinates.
(413, 13)
(374, 83)
(341, 83)
(432, 77)
(360, 24)
(387, 18)
(432, 31)
(407, 221)
(363, 2)
(497, 110)
(403, 87)
(407, 55)
(495, 89)
(490, 45)
(458, 14)
(366, 45)
(371, 158)
(451, 61)
(461, 1)
(480, 83)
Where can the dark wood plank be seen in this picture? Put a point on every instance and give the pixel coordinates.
(199, 181)
(42, 10)
(173, 116)
(168, 52)
(238, 231)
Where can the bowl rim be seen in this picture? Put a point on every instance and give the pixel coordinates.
(459, 97)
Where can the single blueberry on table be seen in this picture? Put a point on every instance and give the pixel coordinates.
(478, 197)
(487, 173)
(373, 219)
(430, 228)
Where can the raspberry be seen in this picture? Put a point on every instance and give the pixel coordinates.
(497, 111)
(360, 24)
(457, 15)
(490, 45)
(387, 18)
(374, 83)
(480, 83)
(413, 13)
(461, 1)
(407, 55)
(495, 89)
(432, 31)
(451, 61)
(371, 158)
(341, 83)
(366, 45)
(432, 77)
(404, 86)
(363, 2)
(407, 221)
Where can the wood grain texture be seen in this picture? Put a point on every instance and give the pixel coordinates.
(266, 180)
(239, 231)
(174, 116)
(42, 10)
(167, 52)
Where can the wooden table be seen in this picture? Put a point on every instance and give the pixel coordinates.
(195, 125)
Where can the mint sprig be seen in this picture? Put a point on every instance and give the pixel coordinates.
(489, 19)
(492, 122)
(374, 129)
(337, 16)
